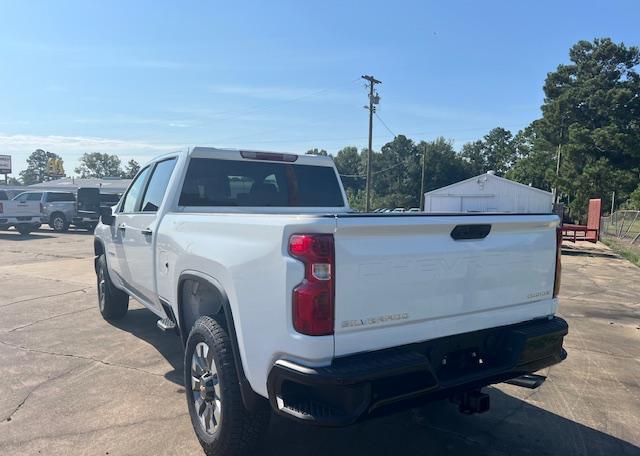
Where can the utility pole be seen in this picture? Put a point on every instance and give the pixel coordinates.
(424, 161)
(613, 201)
(374, 99)
(556, 197)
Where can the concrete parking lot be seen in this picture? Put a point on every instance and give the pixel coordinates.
(71, 383)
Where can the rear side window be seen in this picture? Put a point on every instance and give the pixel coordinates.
(59, 197)
(109, 198)
(34, 196)
(133, 195)
(158, 185)
(214, 182)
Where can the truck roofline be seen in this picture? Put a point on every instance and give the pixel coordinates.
(235, 154)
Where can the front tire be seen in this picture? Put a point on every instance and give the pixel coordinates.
(221, 422)
(58, 222)
(113, 303)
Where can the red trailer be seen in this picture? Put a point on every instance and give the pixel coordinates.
(589, 232)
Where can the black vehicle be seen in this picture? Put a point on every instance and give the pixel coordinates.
(89, 202)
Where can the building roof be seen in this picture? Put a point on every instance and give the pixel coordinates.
(489, 175)
(107, 185)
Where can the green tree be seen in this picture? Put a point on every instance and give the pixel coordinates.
(443, 166)
(591, 109)
(316, 151)
(396, 172)
(634, 200)
(36, 170)
(131, 169)
(495, 152)
(349, 165)
(98, 165)
(535, 163)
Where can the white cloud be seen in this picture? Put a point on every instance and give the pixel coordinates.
(76, 143)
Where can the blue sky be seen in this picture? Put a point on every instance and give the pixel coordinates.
(140, 78)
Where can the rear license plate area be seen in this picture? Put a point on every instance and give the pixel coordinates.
(463, 362)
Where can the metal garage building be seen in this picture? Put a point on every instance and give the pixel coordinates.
(488, 193)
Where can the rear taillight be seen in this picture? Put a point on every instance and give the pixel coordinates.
(41, 207)
(313, 298)
(1, 208)
(556, 283)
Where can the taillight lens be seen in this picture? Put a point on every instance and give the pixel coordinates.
(1, 208)
(313, 298)
(41, 207)
(556, 284)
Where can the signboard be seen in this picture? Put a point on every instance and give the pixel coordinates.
(5, 164)
(55, 167)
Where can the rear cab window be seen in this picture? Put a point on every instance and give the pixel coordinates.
(59, 197)
(217, 182)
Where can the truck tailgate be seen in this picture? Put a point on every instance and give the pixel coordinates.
(18, 209)
(404, 279)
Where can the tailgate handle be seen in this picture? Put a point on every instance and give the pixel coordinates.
(462, 232)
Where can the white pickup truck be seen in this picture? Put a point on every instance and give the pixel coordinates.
(25, 215)
(288, 301)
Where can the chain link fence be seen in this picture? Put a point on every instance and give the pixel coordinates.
(622, 227)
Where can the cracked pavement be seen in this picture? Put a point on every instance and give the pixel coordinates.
(73, 384)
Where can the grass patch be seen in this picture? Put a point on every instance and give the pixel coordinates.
(623, 250)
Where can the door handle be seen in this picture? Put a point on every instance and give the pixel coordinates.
(147, 232)
(122, 227)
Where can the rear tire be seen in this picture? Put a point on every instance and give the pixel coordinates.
(113, 303)
(24, 230)
(58, 222)
(221, 422)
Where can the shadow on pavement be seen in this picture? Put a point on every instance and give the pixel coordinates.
(511, 427)
(142, 324)
(15, 236)
(590, 253)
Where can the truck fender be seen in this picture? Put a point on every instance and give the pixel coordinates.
(186, 319)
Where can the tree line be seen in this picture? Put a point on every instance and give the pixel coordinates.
(92, 165)
(590, 120)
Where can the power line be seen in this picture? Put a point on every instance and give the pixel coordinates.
(374, 172)
(384, 124)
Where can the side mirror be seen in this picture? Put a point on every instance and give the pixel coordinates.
(106, 216)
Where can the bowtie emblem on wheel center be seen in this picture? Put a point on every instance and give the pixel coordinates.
(207, 383)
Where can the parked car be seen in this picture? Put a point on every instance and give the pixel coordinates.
(286, 300)
(25, 215)
(58, 208)
(88, 204)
